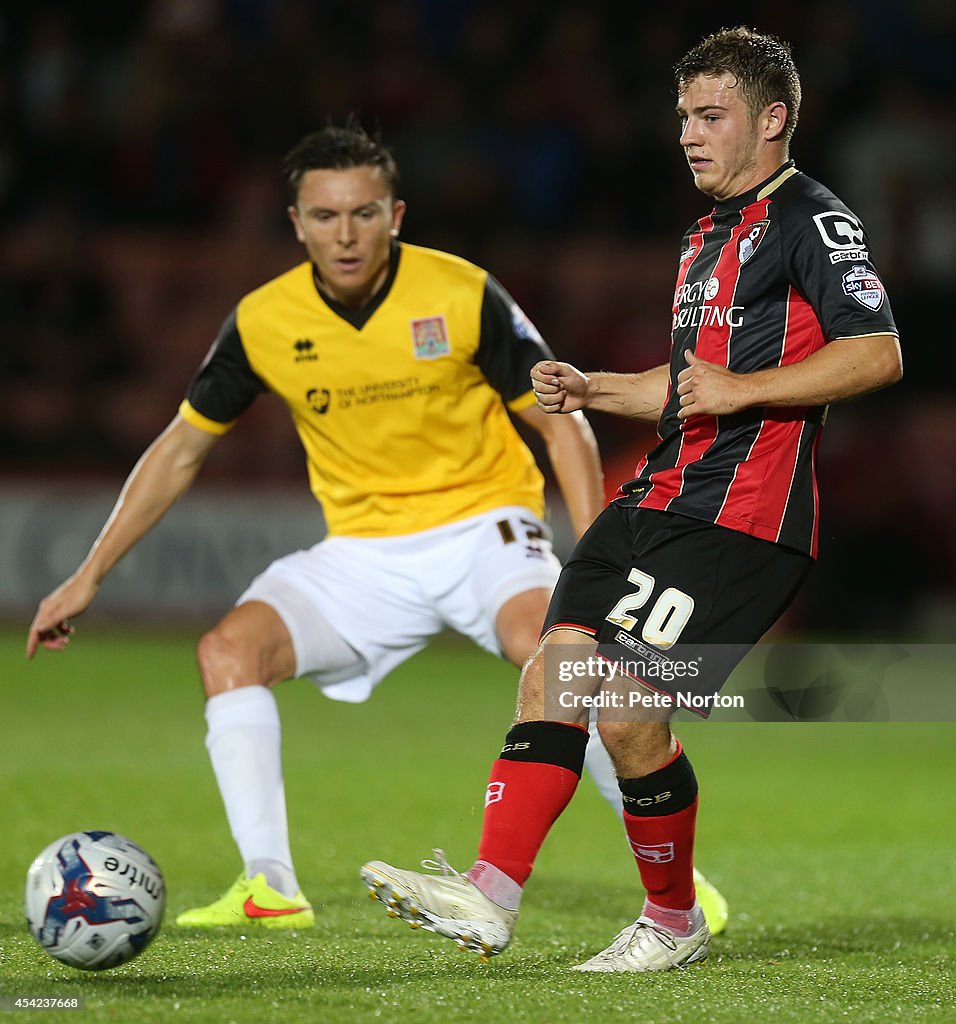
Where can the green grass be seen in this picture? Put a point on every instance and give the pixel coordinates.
(832, 842)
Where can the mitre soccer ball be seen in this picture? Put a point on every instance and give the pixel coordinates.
(94, 899)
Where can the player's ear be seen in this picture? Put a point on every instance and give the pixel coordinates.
(398, 215)
(296, 223)
(774, 121)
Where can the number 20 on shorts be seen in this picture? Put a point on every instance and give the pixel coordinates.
(667, 618)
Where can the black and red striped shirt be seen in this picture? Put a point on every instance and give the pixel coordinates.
(765, 279)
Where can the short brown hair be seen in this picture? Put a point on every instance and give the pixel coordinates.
(762, 65)
(338, 149)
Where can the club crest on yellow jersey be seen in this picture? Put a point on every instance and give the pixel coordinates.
(430, 337)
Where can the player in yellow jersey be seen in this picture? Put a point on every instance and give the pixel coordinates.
(399, 366)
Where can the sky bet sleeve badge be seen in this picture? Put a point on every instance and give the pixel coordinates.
(862, 283)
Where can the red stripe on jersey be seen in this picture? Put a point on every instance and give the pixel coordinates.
(758, 470)
(695, 246)
(697, 436)
(659, 501)
(761, 485)
(640, 467)
(569, 625)
(760, 490)
(803, 337)
(713, 339)
(712, 344)
(803, 333)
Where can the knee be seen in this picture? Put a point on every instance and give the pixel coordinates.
(636, 748)
(225, 662)
(615, 735)
(520, 645)
(518, 624)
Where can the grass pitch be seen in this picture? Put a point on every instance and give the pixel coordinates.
(833, 844)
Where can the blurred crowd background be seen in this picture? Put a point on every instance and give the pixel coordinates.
(140, 197)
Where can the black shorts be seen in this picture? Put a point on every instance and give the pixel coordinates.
(656, 589)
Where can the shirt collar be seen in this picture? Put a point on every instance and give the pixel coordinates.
(358, 318)
(736, 203)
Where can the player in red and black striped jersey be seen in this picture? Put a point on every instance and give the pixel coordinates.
(765, 280)
(778, 311)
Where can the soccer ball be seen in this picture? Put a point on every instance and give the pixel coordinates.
(94, 900)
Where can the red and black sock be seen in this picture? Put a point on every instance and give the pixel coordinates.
(531, 783)
(660, 816)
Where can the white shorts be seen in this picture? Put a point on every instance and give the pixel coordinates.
(387, 597)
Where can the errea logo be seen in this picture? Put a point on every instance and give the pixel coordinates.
(303, 348)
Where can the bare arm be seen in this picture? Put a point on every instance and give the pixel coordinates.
(840, 370)
(574, 456)
(165, 471)
(560, 387)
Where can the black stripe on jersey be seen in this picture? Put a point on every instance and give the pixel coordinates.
(708, 480)
(801, 511)
(509, 344)
(358, 318)
(225, 385)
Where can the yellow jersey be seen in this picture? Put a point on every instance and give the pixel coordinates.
(400, 405)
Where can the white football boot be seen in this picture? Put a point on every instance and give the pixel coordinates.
(646, 946)
(446, 903)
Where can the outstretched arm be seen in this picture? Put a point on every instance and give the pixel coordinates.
(840, 370)
(560, 387)
(165, 471)
(574, 456)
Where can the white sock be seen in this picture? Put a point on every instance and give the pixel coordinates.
(601, 769)
(681, 922)
(280, 876)
(244, 740)
(500, 888)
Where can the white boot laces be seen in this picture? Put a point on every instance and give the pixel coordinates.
(441, 865)
(625, 938)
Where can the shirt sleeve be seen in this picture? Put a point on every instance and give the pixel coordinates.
(509, 346)
(225, 385)
(827, 254)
